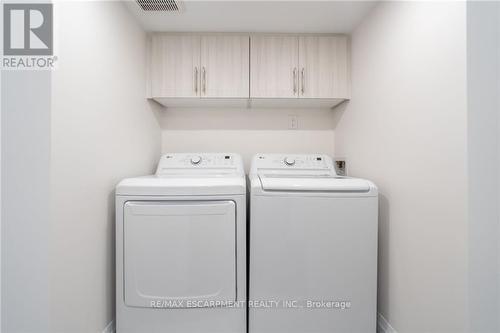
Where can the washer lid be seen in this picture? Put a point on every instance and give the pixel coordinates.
(274, 182)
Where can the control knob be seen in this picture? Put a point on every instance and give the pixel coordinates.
(289, 161)
(195, 160)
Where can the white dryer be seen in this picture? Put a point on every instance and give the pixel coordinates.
(313, 247)
(181, 247)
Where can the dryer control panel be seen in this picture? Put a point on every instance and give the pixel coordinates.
(292, 163)
(199, 163)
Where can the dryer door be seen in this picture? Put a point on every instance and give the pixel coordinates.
(178, 253)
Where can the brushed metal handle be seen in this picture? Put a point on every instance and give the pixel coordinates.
(302, 88)
(294, 80)
(204, 73)
(196, 80)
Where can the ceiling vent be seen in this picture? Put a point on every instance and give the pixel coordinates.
(159, 5)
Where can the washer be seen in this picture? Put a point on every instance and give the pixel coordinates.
(313, 247)
(181, 246)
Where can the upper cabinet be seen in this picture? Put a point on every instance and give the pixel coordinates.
(239, 70)
(274, 66)
(224, 66)
(299, 67)
(324, 67)
(199, 66)
(175, 66)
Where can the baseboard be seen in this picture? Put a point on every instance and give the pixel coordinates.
(110, 328)
(383, 325)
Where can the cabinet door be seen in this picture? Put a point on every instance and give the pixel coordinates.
(175, 66)
(225, 66)
(324, 67)
(274, 67)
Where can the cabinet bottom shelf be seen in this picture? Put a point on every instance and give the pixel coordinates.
(257, 103)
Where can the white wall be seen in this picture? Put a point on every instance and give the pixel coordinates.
(103, 129)
(483, 83)
(498, 202)
(247, 131)
(405, 128)
(25, 198)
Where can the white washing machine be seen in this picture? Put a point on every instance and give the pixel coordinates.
(181, 247)
(313, 247)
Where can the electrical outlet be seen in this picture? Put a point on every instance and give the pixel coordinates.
(293, 122)
(340, 167)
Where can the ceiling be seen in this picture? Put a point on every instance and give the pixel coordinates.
(257, 16)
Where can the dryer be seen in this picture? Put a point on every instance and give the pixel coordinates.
(313, 247)
(181, 247)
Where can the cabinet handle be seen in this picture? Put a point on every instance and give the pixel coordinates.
(196, 80)
(294, 80)
(302, 88)
(204, 73)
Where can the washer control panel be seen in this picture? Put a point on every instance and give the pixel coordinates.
(173, 163)
(292, 162)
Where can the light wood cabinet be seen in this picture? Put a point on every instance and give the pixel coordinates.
(238, 70)
(175, 65)
(324, 67)
(274, 66)
(315, 67)
(188, 66)
(225, 66)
